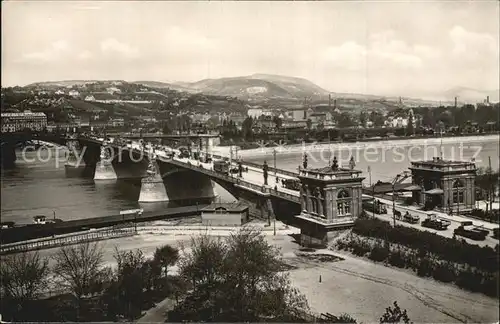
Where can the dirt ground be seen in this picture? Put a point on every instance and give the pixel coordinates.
(354, 286)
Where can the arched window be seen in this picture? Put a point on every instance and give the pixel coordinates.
(304, 197)
(458, 192)
(314, 201)
(343, 203)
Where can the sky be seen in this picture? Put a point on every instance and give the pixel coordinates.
(367, 47)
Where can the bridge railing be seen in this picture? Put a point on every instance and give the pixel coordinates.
(259, 166)
(239, 181)
(286, 196)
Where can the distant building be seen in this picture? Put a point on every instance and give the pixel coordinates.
(74, 93)
(113, 90)
(299, 113)
(16, 122)
(445, 185)
(255, 112)
(116, 122)
(224, 214)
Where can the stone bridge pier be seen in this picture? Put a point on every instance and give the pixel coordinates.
(152, 186)
(104, 169)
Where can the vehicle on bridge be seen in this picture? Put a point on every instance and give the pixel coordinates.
(5, 225)
(468, 230)
(221, 166)
(434, 222)
(292, 184)
(184, 153)
(375, 207)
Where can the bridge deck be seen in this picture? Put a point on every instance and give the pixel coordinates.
(253, 179)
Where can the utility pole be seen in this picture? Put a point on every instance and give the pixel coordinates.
(230, 159)
(274, 155)
(394, 202)
(373, 189)
(490, 180)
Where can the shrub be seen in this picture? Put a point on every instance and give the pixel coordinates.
(396, 259)
(490, 285)
(444, 272)
(484, 258)
(470, 280)
(424, 268)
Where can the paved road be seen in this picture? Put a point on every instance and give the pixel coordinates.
(455, 223)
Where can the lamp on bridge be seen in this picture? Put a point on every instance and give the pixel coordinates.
(265, 169)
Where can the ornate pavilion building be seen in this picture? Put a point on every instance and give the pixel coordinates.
(445, 185)
(331, 199)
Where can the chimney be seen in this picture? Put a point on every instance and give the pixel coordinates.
(334, 103)
(487, 99)
(330, 100)
(455, 102)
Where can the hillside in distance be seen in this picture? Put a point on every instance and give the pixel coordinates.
(68, 83)
(258, 86)
(165, 85)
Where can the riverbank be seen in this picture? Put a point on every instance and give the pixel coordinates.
(359, 145)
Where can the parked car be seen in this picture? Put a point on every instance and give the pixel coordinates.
(432, 221)
(375, 207)
(468, 230)
(412, 219)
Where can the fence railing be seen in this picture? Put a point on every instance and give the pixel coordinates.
(66, 239)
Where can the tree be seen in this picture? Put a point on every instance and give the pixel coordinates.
(247, 128)
(23, 277)
(409, 128)
(166, 256)
(278, 122)
(363, 118)
(237, 279)
(125, 296)
(377, 118)
(395, 315)
(79, 268)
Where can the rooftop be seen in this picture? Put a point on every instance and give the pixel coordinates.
(437, 161)
(229, 207)
(23, 114)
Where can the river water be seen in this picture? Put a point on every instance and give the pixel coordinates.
(43, 188)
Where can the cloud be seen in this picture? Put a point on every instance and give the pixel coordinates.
(470, 45)
(113, 47)
(183, 41)
(349, 55)
(382, 50)
(54, 52)
(85, 55)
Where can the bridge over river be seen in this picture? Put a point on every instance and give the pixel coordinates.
(168, 176)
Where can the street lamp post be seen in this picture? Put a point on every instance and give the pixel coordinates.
(274, 222)
(394, 203)
(274, 155)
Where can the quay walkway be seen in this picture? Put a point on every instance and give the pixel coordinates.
(28, 232)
